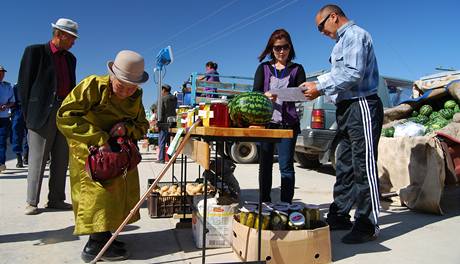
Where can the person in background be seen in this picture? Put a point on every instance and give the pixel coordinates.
(46, 76)
(97, 109)
(154, 118)
(168, 109)
(6, 103)
(211, 75)
(279, 72)
(19, 132)
(353, 81)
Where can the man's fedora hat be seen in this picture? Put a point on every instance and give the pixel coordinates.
(128, 67)
(66, 25)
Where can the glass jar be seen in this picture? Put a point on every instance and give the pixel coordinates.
(182, 116)
(265, 220)
(251, 218)
(296, 221)
(219, 116)
(279, 220)
(204, 110)
(313, 212)
(243, 215)
(282, 208)
(282, 204)
(190, 117)
(296, 207)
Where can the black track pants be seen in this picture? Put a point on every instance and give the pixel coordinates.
(359, 127)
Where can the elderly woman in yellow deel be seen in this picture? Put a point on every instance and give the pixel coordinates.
(98, 107)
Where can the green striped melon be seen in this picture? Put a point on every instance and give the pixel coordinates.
(250, 108)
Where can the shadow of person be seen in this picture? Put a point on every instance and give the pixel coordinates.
(163, 243)
(395, 223)
(43, 237)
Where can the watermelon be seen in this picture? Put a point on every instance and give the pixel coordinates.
(414, 113)
(457, 109)
(388, 132)
(450, 104)
(426, 110)
(250, 108)
(421, 119)
(446, 113)
(434, 115)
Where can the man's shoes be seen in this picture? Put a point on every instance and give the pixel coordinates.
(358, 237)
(19, 163)
(59, 205)
(31, 210)
(2, 167)
(93, 247)
(339, 222)
(25, 160)
(363, 231)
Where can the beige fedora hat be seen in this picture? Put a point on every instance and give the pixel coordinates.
(128, 66)
(66, 25)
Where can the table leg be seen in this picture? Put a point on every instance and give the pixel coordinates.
(205, 209)
(259, 228)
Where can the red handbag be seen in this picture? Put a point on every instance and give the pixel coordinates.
(108, 163)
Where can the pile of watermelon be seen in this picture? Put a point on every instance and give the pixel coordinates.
(430, 119)
(250, 108)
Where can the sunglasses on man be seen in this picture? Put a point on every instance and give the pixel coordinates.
(321, 25)
(279, 48)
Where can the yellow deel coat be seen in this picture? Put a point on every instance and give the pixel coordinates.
(85, 118)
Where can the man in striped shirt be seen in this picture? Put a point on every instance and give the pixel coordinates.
(352, 82)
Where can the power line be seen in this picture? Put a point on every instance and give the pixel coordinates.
(196, 23)
(232, 28)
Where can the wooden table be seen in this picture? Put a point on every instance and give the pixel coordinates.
(221, 134)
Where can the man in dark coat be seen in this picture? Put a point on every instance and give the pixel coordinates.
(46, 76)
(168, 109)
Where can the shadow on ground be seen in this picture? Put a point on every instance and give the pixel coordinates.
(44, 237)
(400, 221)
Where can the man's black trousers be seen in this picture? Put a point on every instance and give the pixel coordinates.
(359, 127)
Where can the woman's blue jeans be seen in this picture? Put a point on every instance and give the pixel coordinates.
(286, 148)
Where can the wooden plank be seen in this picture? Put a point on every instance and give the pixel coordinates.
(199, 152)
(243, 132)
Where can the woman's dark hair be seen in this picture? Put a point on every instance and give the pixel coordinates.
(211, 65)
(277, 34)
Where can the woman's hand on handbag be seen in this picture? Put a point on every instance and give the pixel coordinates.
(118, 130)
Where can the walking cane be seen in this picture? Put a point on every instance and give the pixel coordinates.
(154, 184)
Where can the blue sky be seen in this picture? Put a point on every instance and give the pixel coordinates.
(411, 38)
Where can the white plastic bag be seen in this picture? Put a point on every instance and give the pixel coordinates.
(409, 129)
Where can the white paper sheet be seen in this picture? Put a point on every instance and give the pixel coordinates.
(291, 94)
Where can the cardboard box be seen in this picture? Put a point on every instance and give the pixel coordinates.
(283, 247)
(219, 219)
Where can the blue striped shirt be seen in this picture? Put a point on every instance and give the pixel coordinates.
(6, 96)
(354, 72)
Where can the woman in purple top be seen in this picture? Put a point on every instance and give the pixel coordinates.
(210, 76)
(279, 72)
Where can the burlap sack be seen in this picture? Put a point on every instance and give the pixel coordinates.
(396, 113)
(454, 89)
(414, 168)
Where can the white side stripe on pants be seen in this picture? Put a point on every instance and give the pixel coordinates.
(371, 169)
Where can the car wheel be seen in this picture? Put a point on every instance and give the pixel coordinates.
(306, 160)
(244, 152)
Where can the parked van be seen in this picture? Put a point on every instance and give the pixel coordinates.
(317, 142)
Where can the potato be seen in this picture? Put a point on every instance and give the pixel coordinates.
(165, 188)
(196, 189)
